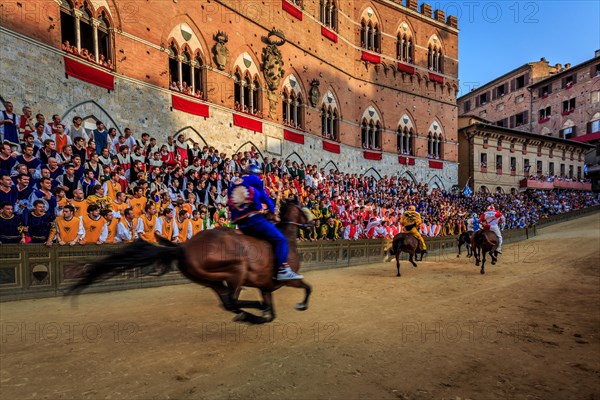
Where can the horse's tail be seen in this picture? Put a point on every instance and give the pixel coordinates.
(137, 254)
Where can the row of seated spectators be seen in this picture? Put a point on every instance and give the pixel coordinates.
(87, 55)
(61, 183)
(558, 178)
(185, 89)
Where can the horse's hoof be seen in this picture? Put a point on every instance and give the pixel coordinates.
(241, 317)
(301, 306)
(493, 262)
(477, 264)
(482, 272)
(267, 315)
(458, 256)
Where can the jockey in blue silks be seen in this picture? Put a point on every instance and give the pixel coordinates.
(246, 199)
(473, 223)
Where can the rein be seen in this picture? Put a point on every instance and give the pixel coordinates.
(302, 226)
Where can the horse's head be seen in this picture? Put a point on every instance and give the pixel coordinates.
(292, 212)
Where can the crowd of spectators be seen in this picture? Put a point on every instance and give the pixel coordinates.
(63, 184)
(558, 178)
(185, 89)
(87, 55)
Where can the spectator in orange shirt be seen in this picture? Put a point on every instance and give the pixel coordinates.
(138, 202)
(94, 226)
(111, 225)
(68, 227)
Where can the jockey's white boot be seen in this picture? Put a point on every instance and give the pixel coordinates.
(285, 273)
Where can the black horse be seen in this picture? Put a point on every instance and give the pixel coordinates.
(465, 238)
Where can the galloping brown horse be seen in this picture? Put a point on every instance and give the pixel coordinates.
(220, 259)
(484, 241)
(405, 242)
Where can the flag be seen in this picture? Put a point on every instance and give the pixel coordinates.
(467, 191)
(585, 169)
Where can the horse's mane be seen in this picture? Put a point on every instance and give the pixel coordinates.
(284, 205)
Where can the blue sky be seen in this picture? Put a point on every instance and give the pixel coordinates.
(498, 36)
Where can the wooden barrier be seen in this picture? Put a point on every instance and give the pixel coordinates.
(35, 271)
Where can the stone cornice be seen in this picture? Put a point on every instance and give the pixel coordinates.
(532, 139)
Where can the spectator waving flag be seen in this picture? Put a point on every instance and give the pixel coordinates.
(467, 191)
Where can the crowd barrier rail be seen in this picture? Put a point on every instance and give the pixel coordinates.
(35, 271)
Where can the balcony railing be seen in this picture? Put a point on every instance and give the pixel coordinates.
(543, 185)
(572, 185)
(533, 184)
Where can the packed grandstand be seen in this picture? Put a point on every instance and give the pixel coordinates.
(62, 183)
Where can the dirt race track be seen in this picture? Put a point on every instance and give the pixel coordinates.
(528, 329)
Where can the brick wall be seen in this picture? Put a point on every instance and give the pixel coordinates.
(144, 28)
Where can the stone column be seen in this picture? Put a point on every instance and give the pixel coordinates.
(251, 100)
(95, 24)
(296, 114)
(401, 146)
(373, 35)
(78, 15)
(179, 69)
(402, 53)
(242, 94)
(193, 79)
(335, 133)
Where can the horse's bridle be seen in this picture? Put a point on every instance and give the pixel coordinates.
(301, 226)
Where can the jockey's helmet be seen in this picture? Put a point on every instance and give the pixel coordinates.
(253, 170)
(491, 208)
(412, 208)
(474, 215)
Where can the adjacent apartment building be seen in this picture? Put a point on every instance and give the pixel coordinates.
(548, 102)
(496, 159)
(505, 101)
